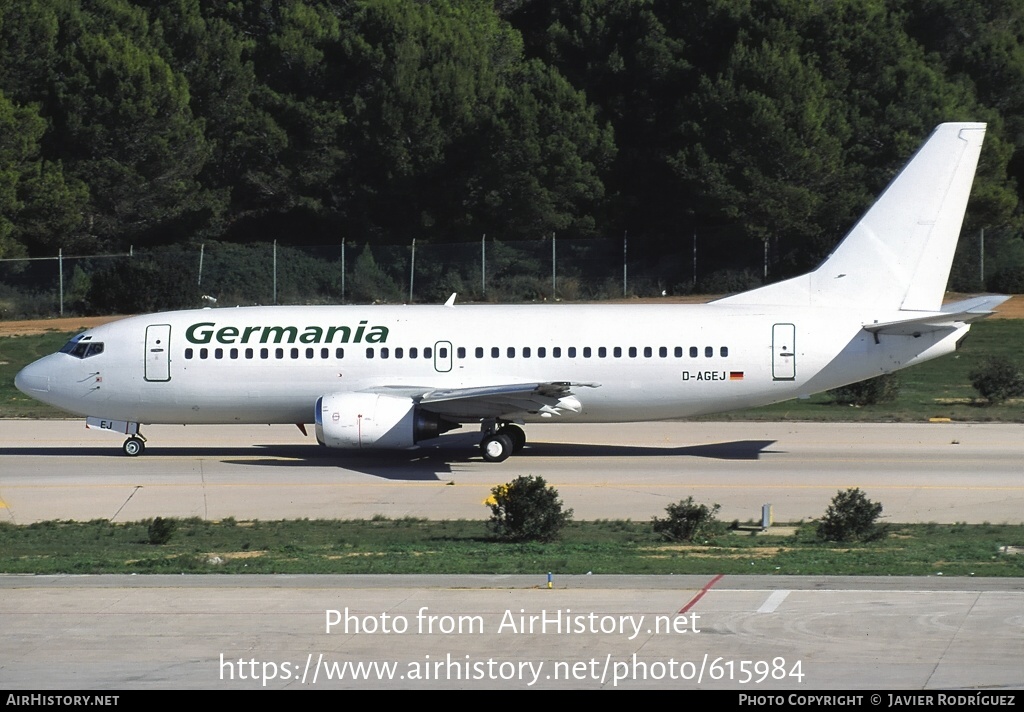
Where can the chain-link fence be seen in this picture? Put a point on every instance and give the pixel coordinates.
(712, 261)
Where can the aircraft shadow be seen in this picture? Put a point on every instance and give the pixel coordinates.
(734, 450)
(431, 463)
(435, 463)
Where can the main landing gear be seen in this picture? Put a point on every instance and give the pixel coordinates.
(134, 446)
(501, 440)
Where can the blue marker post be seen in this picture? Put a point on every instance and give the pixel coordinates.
(549, 579)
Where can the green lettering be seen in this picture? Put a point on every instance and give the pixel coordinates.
(204, 336)
(312, 335)
(227, 335)
(279, 332)
(377, 335)
(346, 333)
(249, 331)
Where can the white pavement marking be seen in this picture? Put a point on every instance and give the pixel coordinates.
(774, 601)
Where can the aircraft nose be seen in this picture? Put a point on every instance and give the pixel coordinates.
(32, 379)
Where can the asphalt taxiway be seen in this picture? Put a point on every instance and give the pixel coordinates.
(744, 633)
(934, 472)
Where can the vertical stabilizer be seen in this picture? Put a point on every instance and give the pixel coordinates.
(899, 254)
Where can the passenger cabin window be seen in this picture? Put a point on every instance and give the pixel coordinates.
(709, 351)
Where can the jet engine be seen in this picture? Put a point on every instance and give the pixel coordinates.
(372, 420)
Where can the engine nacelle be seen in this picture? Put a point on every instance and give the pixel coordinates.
(371, 420)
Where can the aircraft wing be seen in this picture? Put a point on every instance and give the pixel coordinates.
(963, 312)
(502, 401)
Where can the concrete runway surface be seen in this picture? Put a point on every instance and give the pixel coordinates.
(749, 634)
(940, 472)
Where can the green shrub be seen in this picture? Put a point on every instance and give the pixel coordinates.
(881, 389)
(998, 380)
(160, 530)
(687, 521)
(851, 517)
(527, 509)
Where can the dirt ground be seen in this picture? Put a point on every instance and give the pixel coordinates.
(1012, 309)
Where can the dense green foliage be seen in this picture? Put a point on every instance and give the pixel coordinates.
(409, 546)
(687, 521)
(880, 389)
(527, 509)
(137, 122)
(851, 516)
(998, 380)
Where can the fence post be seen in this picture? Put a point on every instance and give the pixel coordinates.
(412, 268)
(60, 276)
(625, 243)
(982, 258)
(554, 283)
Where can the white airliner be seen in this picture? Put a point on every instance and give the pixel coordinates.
(398, 376)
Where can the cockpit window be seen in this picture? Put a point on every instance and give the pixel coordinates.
(71, 345)
(82, 349)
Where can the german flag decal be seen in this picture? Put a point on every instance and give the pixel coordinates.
(735, 375)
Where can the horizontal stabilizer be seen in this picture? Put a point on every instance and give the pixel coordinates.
(950, 316)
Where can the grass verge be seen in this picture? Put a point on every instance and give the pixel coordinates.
(415, 546)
